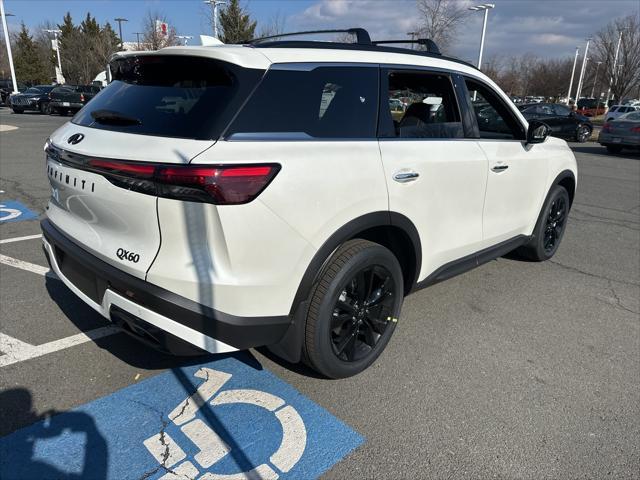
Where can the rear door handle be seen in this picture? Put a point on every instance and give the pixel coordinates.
(405, 176)
(500, 168)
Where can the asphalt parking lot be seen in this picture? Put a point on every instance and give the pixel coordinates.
(513, 370)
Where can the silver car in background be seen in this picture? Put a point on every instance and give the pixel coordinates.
(623, 132)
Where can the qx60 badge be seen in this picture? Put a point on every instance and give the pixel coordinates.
(123, 254)
(75, 138)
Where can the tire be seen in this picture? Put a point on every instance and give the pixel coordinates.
(583, 133)
(614, 148)
(550, 226)
(342, 336)
(17, 110)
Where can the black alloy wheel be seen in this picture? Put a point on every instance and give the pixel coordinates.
(550, 226)
(353, 309)
(362, 313)
(554, 227)
(583, 133)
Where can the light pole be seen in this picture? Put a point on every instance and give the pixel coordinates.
(137, 34)
(6, 39)
(214, 8)
(413, 36)
(615, 73)
(582, 70)
(120, 20)
(59, 76)
(186, 38)
(573, 72)
(486, 7)
(595, 80)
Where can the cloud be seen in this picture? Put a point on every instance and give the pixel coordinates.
(544, 27)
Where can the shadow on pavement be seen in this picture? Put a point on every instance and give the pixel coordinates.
(121, 345)
(19, 459)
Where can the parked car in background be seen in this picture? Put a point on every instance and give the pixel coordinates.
(623, 132)
(563, 122)
(6, 88)
(33, 98)
(590, 107)
(71, 98)
(619, 110)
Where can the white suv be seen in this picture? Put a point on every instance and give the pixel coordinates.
(234, 196)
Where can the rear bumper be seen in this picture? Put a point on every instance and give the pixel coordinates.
(613, 139)
(110, 291)
(59, 104)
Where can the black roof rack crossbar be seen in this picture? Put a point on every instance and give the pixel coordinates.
(427, 42)
(362, 36)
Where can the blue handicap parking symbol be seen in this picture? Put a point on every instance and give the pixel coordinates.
(223, 420)
(12, 211)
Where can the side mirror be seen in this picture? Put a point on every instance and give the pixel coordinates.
(538, 132)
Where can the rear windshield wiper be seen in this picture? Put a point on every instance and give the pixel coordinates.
(111, 117)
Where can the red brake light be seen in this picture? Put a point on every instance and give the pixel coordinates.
(606, 127)
(224, 185)
(635, 129)
(221, 185)
(82, 97)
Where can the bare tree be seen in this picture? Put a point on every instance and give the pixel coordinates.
(440, 19)
(154, 38)
(626, 74)
(273, 26)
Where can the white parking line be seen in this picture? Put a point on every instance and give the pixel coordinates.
(29, 267)
(20, 239)
(15, 350)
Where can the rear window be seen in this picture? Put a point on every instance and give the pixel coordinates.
(320, 102)
(170, 96)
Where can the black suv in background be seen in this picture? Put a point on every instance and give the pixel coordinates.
(34, 98)
(564, 123)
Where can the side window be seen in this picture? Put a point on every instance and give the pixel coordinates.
(422, 105)
(547, 110)
(495, 119)
(613, 109)
(325, 102)
(561, 110)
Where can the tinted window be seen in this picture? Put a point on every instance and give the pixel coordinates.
(495, 119)
(326, 102)
(171, 96)
(635, 116)
(613, 109)
(422, 105)
(561, 110)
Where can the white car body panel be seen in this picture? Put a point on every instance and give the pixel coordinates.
(453, 176)
(249, 260)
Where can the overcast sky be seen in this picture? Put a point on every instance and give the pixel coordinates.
(545, 27)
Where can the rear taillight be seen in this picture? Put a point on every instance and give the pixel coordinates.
(635, 129)
(606, 127)
(221, 185)
(82, 97)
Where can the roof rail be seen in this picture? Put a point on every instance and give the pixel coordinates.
(362, 36)
(427, 42)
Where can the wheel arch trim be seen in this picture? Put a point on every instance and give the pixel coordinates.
(350, 230)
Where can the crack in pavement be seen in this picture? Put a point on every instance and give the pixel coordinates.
(31, 200)
(163, 441)
(618, 301)
(593, 275)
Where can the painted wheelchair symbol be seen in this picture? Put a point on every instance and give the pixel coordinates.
(211, 447)
(8, 213)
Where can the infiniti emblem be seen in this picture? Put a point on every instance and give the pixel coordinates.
(75, 138)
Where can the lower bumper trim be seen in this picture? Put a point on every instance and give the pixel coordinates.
(198, 324)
